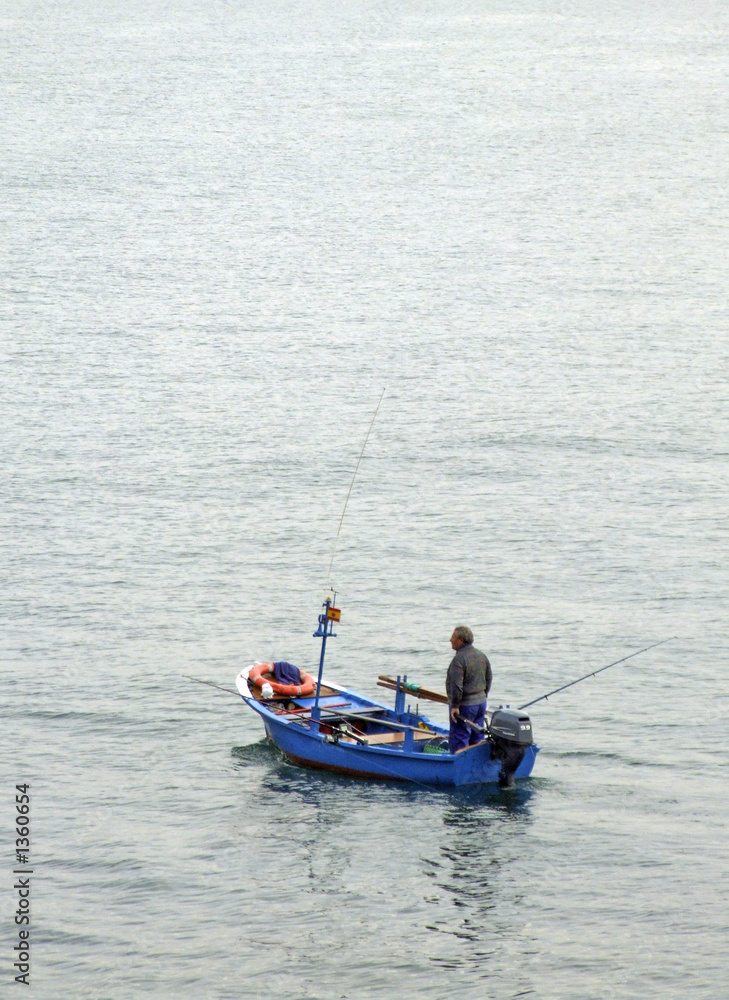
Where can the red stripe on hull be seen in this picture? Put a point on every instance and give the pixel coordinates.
(317, 766)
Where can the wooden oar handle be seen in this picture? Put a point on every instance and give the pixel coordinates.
(419, 692)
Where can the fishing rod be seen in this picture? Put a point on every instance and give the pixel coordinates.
(354, 476)
(210, 684)
(594, 672)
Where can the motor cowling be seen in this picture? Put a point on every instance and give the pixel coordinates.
(510, 732)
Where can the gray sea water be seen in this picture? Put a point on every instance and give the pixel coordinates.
(226, 227)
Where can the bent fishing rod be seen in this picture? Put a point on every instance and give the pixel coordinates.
(593, 673)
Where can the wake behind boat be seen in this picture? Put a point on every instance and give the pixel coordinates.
(323, 725)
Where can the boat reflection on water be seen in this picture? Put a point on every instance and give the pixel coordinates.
(282, 776)
(444, 863)
(479, 908)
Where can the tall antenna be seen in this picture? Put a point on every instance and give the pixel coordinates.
(356, 468)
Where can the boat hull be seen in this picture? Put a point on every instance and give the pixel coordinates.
(306, 745)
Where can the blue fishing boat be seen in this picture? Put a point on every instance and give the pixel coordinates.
(323, 725)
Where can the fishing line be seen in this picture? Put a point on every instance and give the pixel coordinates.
(356, 468)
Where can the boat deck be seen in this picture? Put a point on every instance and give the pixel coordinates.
(353, 719)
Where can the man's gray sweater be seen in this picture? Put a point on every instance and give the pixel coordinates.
(468, 680)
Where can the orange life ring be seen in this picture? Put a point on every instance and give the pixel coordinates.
(292, 690)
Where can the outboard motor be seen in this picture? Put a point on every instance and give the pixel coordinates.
(511, 733)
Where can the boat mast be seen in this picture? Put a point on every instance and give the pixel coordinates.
(329, 615)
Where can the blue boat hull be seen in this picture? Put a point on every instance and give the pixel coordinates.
(408, 762)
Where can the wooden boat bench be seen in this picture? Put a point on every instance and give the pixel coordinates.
(375, 739)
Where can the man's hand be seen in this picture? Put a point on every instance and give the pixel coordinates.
(454, 714)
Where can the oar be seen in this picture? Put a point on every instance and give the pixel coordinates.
(425, 693)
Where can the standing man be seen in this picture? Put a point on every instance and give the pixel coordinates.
(468, 682)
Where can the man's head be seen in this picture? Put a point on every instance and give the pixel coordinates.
(461, 636)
